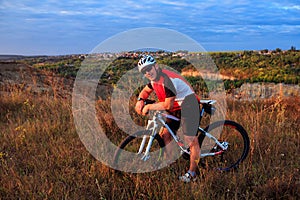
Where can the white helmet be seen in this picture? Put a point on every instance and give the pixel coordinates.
(145, 61)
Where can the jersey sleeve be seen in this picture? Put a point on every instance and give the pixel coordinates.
(150, 86)
(169, 88)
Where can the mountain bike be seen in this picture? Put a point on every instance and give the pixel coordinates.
(224, 144)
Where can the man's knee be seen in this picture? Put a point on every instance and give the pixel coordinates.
(165, 135)
(192, 141)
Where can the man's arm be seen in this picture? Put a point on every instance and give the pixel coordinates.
(144, 94)
(166, 105)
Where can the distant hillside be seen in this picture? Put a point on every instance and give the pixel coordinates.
(236, 68)
(11, 57)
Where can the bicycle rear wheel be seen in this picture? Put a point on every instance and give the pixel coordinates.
(228, 132)
(127, 157)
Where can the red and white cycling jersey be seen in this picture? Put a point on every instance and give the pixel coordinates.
(171, 84)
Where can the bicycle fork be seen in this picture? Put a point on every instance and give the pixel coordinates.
(146, 155)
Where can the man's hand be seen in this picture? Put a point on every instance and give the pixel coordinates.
(146, 109)
(139, 106)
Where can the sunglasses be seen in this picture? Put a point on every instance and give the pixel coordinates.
(147, 69)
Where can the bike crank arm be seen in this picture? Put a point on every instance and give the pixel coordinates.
(202, 155)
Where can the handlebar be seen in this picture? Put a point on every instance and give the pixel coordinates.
(149, 101)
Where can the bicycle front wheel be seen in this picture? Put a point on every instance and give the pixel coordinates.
(127, 158)
(229, 133)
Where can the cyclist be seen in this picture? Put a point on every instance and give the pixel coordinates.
(177, 97)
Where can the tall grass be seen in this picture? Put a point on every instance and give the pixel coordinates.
(42, 157)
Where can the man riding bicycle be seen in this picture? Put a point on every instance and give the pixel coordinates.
(177, 97)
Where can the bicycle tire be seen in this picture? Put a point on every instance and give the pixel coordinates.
(129, 141)
(238, 149)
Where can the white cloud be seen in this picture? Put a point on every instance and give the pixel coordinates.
(175, 3)
(295, 7)
(216, 19)
(285, 6)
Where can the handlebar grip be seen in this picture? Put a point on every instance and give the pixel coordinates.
(149, 101)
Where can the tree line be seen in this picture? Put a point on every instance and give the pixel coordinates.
(276, 66)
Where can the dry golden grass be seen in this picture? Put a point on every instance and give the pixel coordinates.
(42, 157)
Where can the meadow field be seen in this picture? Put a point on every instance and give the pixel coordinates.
(42, 156)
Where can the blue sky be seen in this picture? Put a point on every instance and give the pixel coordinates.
(53, 27)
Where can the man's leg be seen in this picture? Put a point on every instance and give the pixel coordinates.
(194, 152)
(166, 136)
(170, 153)
(190, 123)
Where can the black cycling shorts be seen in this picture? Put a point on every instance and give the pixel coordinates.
(189, 115)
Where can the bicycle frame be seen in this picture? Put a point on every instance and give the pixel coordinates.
(158, 121)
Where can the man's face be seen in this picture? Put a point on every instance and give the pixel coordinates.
(150, 72)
